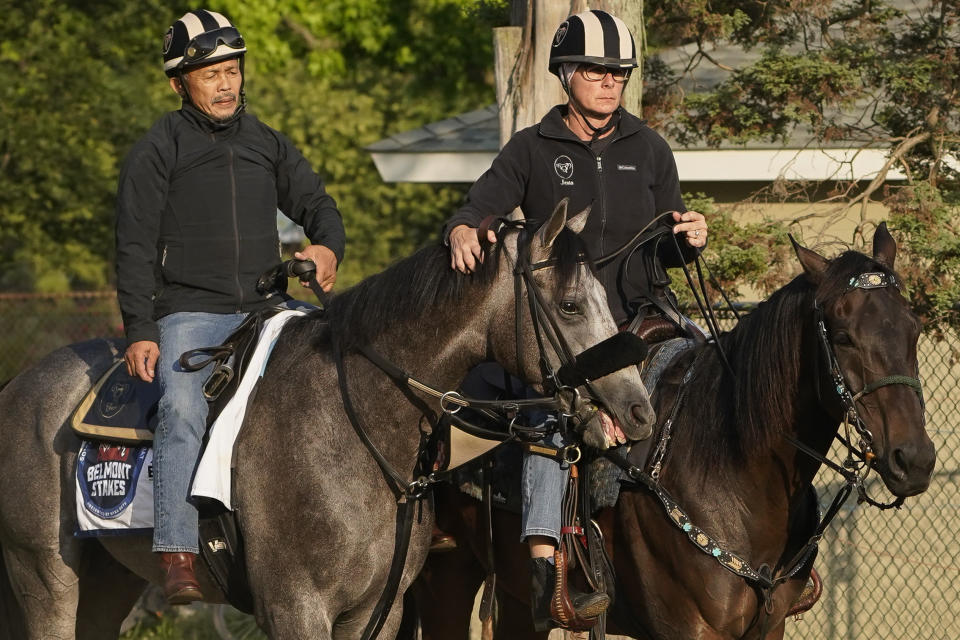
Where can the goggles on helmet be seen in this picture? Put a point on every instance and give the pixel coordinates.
(206, 43)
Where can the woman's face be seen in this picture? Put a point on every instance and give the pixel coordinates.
(598, 93)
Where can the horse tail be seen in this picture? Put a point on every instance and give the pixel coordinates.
(12, 625)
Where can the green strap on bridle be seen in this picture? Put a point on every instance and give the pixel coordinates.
(913, 383)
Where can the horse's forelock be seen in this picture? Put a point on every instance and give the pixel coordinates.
(847, 265)
(568, 254)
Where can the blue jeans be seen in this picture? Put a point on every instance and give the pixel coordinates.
(182, 421)
(544, 484)
(544, 480)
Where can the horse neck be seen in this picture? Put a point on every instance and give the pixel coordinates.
(441, 346)
(745, 420)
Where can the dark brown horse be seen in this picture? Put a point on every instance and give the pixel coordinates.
(742, 453)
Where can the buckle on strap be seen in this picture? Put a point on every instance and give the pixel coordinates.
(569, 454)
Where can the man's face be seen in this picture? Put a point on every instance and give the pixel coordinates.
(599, 97)
(214, 89)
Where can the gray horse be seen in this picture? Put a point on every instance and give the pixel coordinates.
(317, 513)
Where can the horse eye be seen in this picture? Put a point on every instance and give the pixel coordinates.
(842, 338)
(569, 307)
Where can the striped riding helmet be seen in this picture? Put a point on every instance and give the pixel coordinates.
(596, 37)
(198, 38)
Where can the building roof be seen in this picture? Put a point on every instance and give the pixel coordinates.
(461, 148)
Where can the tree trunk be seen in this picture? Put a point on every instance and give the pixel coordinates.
(631, 12)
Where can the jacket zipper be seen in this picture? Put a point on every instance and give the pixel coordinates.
(603, 206)
(236, 228)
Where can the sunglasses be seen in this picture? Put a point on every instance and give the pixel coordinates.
(597, 72)
(206, 43)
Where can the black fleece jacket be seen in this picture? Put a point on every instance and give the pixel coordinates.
(196, 216)
(627, 184)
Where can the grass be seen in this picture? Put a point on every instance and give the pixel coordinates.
(173, 624)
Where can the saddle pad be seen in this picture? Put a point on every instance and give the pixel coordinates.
(212, 478)
(114, 486)
(119, 408)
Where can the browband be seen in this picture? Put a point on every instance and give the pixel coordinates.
(873, 280)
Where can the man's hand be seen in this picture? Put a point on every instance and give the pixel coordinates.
(694, 227)
(465, 250)
(326, 265)
(141, 358)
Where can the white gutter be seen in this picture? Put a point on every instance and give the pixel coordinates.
(714, 165)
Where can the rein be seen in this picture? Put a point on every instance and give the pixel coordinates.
(409, 493)
(762, 578)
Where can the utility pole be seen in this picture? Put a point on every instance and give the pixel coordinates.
(526, 90)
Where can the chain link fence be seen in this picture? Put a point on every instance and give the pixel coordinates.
(888, 575)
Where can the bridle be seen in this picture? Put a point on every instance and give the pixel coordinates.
(853, 471)
(565, 398)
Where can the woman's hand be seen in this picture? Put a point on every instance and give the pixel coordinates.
(693, 226)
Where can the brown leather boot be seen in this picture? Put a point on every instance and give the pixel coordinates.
(179, 583)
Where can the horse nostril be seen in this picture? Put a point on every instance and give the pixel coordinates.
(900, 462)
(641, 413)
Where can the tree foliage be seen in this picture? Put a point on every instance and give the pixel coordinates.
(80, 82)
(864, 73)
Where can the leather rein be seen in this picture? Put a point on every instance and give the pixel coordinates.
(409, 492)
(854, 472)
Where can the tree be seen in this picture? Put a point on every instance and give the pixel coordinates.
(870, 73)
(81, 83)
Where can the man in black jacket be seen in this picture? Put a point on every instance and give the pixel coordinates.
(600, 156)
(196, 227)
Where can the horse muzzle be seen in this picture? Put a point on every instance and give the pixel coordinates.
(907, 469)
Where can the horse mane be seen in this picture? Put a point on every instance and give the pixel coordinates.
(748, 412)
(416, 286)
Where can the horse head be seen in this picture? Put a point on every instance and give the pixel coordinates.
(868, 337)
(564, 313)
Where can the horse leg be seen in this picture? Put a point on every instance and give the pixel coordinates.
(514, 621)
(108, 591)
(46, 589)
(445, 592)
(12, 624)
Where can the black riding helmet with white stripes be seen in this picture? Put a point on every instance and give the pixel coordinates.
(592, 37)
(200, 38)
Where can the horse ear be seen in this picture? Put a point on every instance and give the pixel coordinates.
(814, 265)
(884, 246)
(577, 222)
(552, 227)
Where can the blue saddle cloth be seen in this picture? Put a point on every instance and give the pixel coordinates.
(120, 408)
